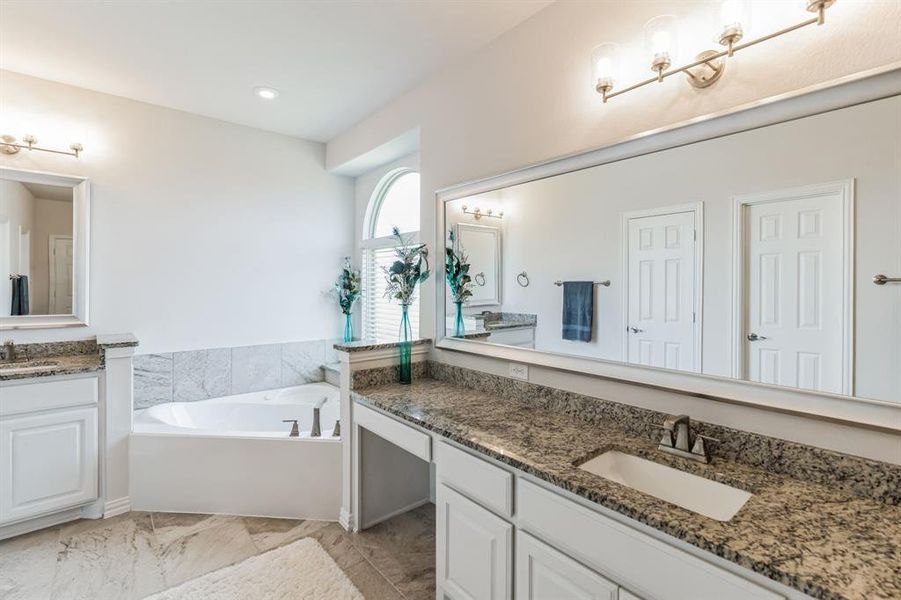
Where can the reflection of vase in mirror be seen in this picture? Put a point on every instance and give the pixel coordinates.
(459, 328)
(36, 248)
(739, 263)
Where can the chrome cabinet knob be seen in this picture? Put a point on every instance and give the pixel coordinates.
(753, 337)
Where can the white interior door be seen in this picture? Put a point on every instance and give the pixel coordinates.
(61, 259)
(794, 267)
(663, 286)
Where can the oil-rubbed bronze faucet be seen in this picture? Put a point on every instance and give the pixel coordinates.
(295, 430)
(676, 439)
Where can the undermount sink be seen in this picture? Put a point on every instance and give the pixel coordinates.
(27, 366)
(697, 494)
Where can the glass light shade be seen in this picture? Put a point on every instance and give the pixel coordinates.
(660, 34)
(605, 66)
(733, 18)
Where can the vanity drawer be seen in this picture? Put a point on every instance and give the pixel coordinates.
(483, 482)
(18, 398)
(414, 442)
(624, 554)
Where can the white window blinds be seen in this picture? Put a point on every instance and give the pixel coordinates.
(381, 316)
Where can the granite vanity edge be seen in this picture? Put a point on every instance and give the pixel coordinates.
(118, 340)
(365, 345)
(81, 364)
(862, 477)
(770, 570)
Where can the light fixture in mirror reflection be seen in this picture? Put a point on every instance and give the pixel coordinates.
(36, 249)
(661, 47)
(741, 263)
(477, 213)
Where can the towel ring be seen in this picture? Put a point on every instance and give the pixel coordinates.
(480, 283)
(523, 277)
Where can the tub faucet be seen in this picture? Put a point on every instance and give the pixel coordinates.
(295, 431)
(316, 431)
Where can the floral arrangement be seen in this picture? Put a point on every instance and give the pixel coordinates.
(456, 267)
(410, 269)
(348, 287)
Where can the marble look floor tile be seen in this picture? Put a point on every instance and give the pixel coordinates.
(201, 374)
(256, 368)
(268, 533)
(27, 565)
(403, 551)
(168, 527)
(366, 577)
(206, 550)
(115, 559)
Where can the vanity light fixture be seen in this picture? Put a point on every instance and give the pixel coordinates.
(662, 46)
(266, 93)
(10, 145)
(478, 214)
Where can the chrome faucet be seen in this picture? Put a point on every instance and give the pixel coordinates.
(677, 439)
(10, 354)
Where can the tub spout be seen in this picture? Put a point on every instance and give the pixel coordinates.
(295, 431)
(316, 431)
(336, 432)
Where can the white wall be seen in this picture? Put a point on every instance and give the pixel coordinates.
(16, 213)
(570, 227)
(527, 98)
(51, 217)
(204, 234)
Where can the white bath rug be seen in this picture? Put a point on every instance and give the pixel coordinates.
(302, 570)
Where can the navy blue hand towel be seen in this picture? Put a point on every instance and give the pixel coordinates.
(578, 309)
(19, 296)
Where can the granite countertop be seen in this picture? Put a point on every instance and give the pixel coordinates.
(68, 364)
(826, 543)
(366, 345)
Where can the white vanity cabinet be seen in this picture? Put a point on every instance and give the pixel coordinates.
(475, 549)
(543, 573)
(49, 455)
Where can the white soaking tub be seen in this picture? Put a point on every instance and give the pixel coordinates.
(233, 455)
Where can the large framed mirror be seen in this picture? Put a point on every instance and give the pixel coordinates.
(44, 245)
(742, 248)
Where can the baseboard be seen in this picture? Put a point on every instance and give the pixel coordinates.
(392, 514)
(115, 507)
(344, 519)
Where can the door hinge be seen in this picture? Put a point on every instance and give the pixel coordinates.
(694, 233)
(694, 317)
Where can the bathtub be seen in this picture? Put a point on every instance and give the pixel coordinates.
(234, 455)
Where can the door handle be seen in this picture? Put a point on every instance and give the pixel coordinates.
(635, 330)
(753, 337)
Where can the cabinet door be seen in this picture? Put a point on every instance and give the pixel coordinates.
(48, 462)
(474, 548)
(543, 573)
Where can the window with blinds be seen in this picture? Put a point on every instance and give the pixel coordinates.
(381, 316)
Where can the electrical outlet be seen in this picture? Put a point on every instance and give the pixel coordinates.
(518, 371)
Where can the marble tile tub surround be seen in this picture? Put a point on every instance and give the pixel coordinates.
(859, 476)
(212, 373)
(815, 538)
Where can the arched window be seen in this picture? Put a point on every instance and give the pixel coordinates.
(394, 203)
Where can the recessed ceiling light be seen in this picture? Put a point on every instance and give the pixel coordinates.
(266, 93)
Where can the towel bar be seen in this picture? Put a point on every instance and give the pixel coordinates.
(605, 283)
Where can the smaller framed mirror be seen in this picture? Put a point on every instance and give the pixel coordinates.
(44, 246)
(482, 245)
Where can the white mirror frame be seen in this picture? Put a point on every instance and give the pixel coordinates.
(495, 300)
(863, 87)
(81, 220)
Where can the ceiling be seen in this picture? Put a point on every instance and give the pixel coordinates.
(333, 62)
(49, 192)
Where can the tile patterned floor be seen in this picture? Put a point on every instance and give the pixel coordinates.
(138, 554)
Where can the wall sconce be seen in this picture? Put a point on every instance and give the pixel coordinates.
(478, 214)
(661, 43)
(9, 145)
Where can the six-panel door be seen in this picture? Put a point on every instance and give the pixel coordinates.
(475, 549)
(48, 462)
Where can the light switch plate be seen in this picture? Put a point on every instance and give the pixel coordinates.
(518, 371)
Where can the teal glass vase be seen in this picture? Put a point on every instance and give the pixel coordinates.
(405, 337)
(348, 327)
(459, 329)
